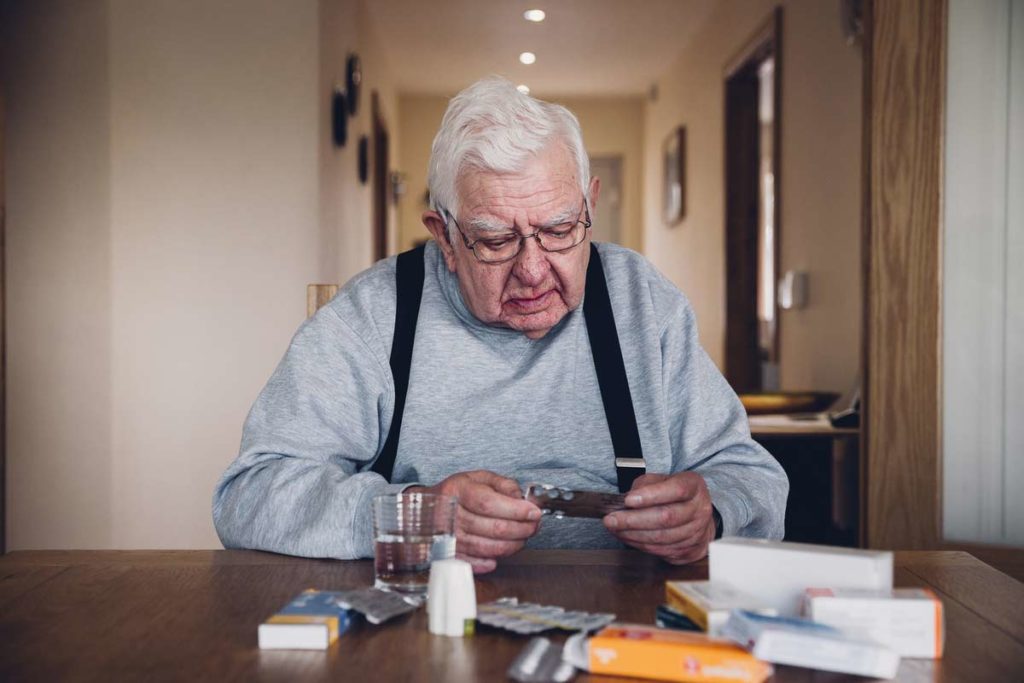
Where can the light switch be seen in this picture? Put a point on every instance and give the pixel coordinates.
(793, 290)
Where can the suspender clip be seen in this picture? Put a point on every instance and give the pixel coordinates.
(638, 463)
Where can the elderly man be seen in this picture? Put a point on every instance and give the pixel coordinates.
(498, 373)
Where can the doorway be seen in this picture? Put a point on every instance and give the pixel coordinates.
(607, 215)
(752, 188)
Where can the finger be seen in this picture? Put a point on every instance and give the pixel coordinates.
(646, 480)
(678, 554)
(483, 500)
(486, 548)
(491, 527)
(689, 555)
(509, 487)
(480, 565)
(655, 518)
(687, 534)
(672, 489)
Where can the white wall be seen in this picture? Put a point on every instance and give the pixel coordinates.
(171, 191)
(820, 161)
(983, 274)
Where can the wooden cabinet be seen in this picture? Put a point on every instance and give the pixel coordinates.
(824, 471)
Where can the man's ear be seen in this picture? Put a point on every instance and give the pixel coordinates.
(595, 190)
(436, 225)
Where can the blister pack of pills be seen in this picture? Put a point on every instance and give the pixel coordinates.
(527, 618)
(559, 501)
(376, 605)
(541, 662)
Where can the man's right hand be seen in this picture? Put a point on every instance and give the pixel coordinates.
(493, 519)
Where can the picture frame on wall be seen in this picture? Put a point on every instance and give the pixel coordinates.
(674, 176)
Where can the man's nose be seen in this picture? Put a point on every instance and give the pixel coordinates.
(531, 265)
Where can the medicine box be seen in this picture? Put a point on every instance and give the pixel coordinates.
(311, 621)
(907, 620)
(663, 655)
(778, 573)
(708, 604)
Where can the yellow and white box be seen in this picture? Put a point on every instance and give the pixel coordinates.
(708, 604)
(906, 620)
(313, 620)
(663, 655)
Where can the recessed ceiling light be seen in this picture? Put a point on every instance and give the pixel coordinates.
(527, 58)
(523, 88)
(535, 15)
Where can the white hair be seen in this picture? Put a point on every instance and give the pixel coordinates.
(491, 126)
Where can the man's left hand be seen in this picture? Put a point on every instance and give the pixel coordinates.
(668, 516)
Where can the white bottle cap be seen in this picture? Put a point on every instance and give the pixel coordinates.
(451, 598)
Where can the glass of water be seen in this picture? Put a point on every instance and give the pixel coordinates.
(410, 530)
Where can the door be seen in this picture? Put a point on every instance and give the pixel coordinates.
(607, 215)
(752, 125)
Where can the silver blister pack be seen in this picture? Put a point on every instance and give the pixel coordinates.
(541, 662)
(559, 501)
(528, 618)
(376, 605)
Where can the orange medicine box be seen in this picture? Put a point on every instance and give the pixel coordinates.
(664, 655)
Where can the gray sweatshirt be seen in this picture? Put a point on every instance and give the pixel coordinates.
(482, 397)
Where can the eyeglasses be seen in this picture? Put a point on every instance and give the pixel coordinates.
(502, 247)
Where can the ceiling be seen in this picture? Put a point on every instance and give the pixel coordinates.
(583, 47)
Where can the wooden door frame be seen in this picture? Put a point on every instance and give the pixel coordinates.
(766, 40)
(3, 331)
(379, 177)
(903, 177)
(904, 115)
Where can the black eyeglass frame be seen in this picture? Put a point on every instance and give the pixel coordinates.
(584, 215)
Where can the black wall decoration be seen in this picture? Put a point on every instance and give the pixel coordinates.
(353, 79)
(339, 118)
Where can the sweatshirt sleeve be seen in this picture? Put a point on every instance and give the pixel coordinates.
(710, 435)
(295, 487)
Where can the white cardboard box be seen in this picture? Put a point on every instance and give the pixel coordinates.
(801, 642)
(907, 620)
(778, 573)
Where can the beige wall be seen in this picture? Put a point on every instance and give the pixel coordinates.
(611, 126)
(821, 181)
(614, 126)
(58, 266)
(419, 117)
(162, 227)
(345, 204)
(820, 156)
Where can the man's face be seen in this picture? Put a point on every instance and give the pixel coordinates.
(535, 290)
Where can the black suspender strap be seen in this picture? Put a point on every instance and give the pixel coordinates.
(611, 376)
(409, 280)
(604, 344)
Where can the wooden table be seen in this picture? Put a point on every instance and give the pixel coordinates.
(192, 615)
